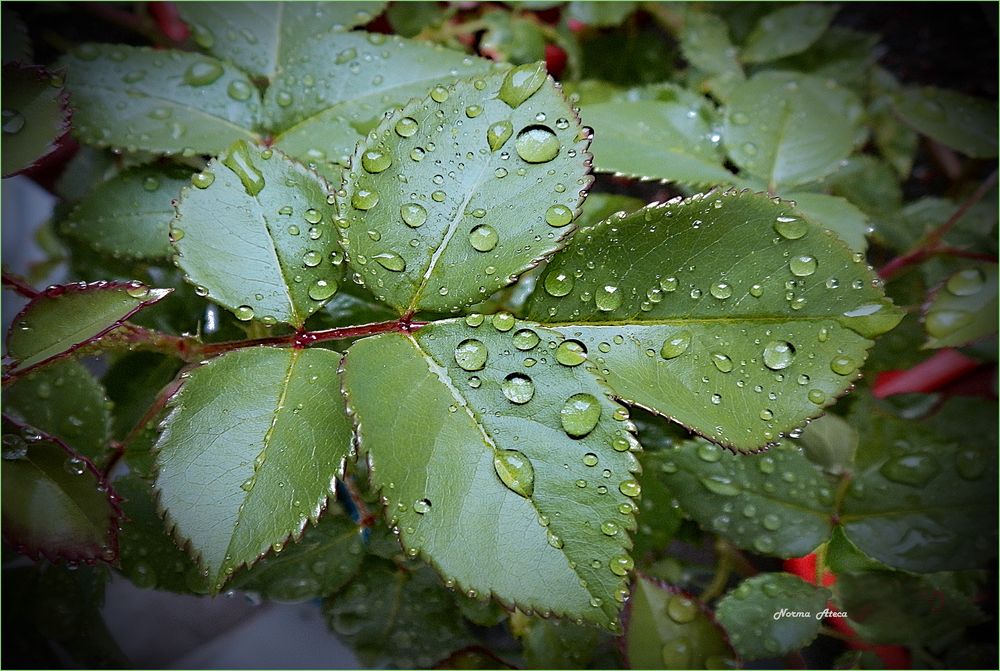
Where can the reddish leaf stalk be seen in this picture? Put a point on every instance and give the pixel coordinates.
(19, 285)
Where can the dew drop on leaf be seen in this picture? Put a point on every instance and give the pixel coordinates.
(580, 414)
(238, 90)
(621, 565)
(802, 266)
(790, 228)
(364, 199)
(321, 290)
(521, 82)
(202, 73)
(203, 180)
(238, 160)
(571, 353)
(503, 321)
(483, 238)
(722, 362)
(681, 609)
(537, 144)
(406, 127)
(518, 388)
(914, 470)
(421, 506)
(525, 340)
(676, 344)
(498, 134)
(376, 161)
(515, 471)
(471, 354)
(558, 284)
(966, 282)
(778, 354)
(558, 216)
(843, 365)
(414, 215)
(390, 261)
(607, 298)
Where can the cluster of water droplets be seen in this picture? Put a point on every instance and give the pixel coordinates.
(965, 294)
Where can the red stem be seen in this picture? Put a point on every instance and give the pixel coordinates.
(302, 339)
(19, 285)
(158, 404)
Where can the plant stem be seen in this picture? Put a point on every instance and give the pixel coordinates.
(19, 285)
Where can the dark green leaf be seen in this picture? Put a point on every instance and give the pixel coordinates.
(409, 18)
(842, 556)
(258, 238)
(836, 214)
(551, 644)
(772, 614)
(56, 504)
(502, 439)
(600, 14)
(512, 38)
(34, 116)
(628, 55)
(249, 452)
(129, 215)
(759, 338)
(841, 54)
(964, 309)
(260, 36)
(167, 102)
(659, 518)
(870, 184)
(133, 383)
(64, 400)
(439, 234)
(67, 317)
(957, 120)
(405, 617)
(896, 141)
(790, 128)
(830, 442)
(788, 30)
(666, 629)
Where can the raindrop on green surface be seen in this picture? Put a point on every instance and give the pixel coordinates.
(322, 290)
(238, 90)
(802, 265)
(970, 464)
(537, 144)
(438, 196)
(571, 353)
(843, 365)
(621, 565)
(244, 313)
(778, 354)
(722, 290)
(709, 452)
(914, 470)
(390, 261)
(580, 414)
(75, 466)
(498, 134)
(558, 216)
(676, 344)
(472, 111)
(790, 228)
(311, 259)
(942, 323)
(364, 199)
(238, 160)
(590, 459)
(771, 522)
(525, 340)
(503, 321)
(720, 484)
(676, 654)
(609, 528)
(681, 609)
(521, 82)
(872, 319)
(204, 179)
(202, 73)
(966, 282)
(558, 283)
(630, 488)
(518, 388)
(483, 238)
(376, 161)
(607, 298)
(421, 506)
(312, 216)
(439, 94)
(816, 396)
(414, 215)
(515, 471)
(722, 362)
(406, 127)
(471, 354)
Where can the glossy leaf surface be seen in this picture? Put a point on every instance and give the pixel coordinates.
(957, 120)
(254, 234)
(65, 318)
(836, 214)
(752, 614)
(706, 45)
(510, 441)
(249, 452)
(454, 196)
(964, 309)
(34, 116)
(172, 102)
(740, 346)
(788, 30)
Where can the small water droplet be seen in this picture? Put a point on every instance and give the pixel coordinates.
(721, 290)
(518, 388)
(709, 452)
(364, 199)
(439, 94)
(390, 261)
(322, 290)
(498, 134)
(802, 265)
(621, 565)
(607, 298)
(202, 73)
(558, 283)
(75, 466)
(421, 506)
(558, 216)
(203, 180)
(816, 396)
(843, 365)
(722, 362)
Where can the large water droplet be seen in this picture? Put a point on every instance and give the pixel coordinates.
(238, 90)
(203, 180)
(525, 340)
(966, 282)
(515, 471)
(321, 290)
(518, 388)
(621, 565)
(802, 265)
(421, 506)
(778, 354)
(558, 216)
(872, 319)
(414, 215)
(498, 134)
(571, 353)
(376, 161)
(722, 362)
(537, 144)
(471, 354)
(521, 82)
(790, 228)
(681, 609)
(709, 452)
(390, 261)
(942, 323)
(483, 238)
(244, 313)
(406, 127)
(843, 365)
(720, 484)
(914, 470)
(238, 160)
(676, 654)
(558, 283)
(364, 199)
(202, 73)
(580, 414)
(630, 488)
(676, 344)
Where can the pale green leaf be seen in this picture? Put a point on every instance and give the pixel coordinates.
(672, 141)
(772, 614)
(741, 345)
(705, 44)
(56, 505)
(870, 184)
(34, 116)
(438, 215)
(249, 453)
(836, 214)
(356, 78)
(790, 128)
(666, 629)
(777, 503)
(830, 442)
(167, 102)
(498, 442)
(63, 400)
(788, 30)
(259, 238)
(512, 38)
(965, 123)
(65, 318)
(129, 215)
(600, 14)
(964, 309)
(260, 36)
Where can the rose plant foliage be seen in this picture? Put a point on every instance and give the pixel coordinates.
(511, 364)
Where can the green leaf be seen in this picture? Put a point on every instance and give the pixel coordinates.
(258, 238)
(896, 141)
(260, 36)
(167, 102)
(740, 346)
(600, 14)
(836, 214)
(249, 452)
(920, 499)
(56, 504)
(666, 629)
(357, 77)
(705, 44)
(830, 442)
(842, 556)
(777, 503)
(772, 614)
(904, 609)
(150, 558)
(841, 54)
(964, 309)
(410, 18)
(67, 317)
(660, 518)
(790, 128)
(35, 116)
(788, 30)
(63, 400)
(502, 436)
(326, 557)
(652, 139)
(133, 382)
(553, 644)
(481, 215)
(962, 122)
(405, 617)
(871, 185)
(129, 215)
(512, 38)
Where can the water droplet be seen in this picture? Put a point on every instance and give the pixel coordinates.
(722, 290)
(609, 528)
(239, 90)
(720, 484)
(630, 488)
(498, 134)
(406, 127)
(766, 414)
(503, 321)
(558, 283)
(471, 354)
(816, 396)
(558, 216)
(202, 73)
(681, 609)
(203, 180)
(778, 354)
(802, 266)
(417, 154)
(390, 261)
(474, 319)
(283, 98)
(843, 365)
(13, 122)
(676, 344)
(438, 196)
(421, 506)
(376, 161)
(518, 388)
(515, 471)
(580, 414)
(175, 234)
(137, 290)
(537, 144)
(966, 282)
(763, 544)
(607, 298)
(238, 160)
(709, 452)
(483, 238)
(621, 565)
(322, 290)
(790, 228)
(414, 215)
(914, 470)
(942, 323)
(525, 340)
(75, 466)
(439, 94)
(722, 362)
(521, 82)
(364, 199)
(571, 353)
(872, 319)
(970, 464)
(590, 459)
(771, 522)
(312, 216)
